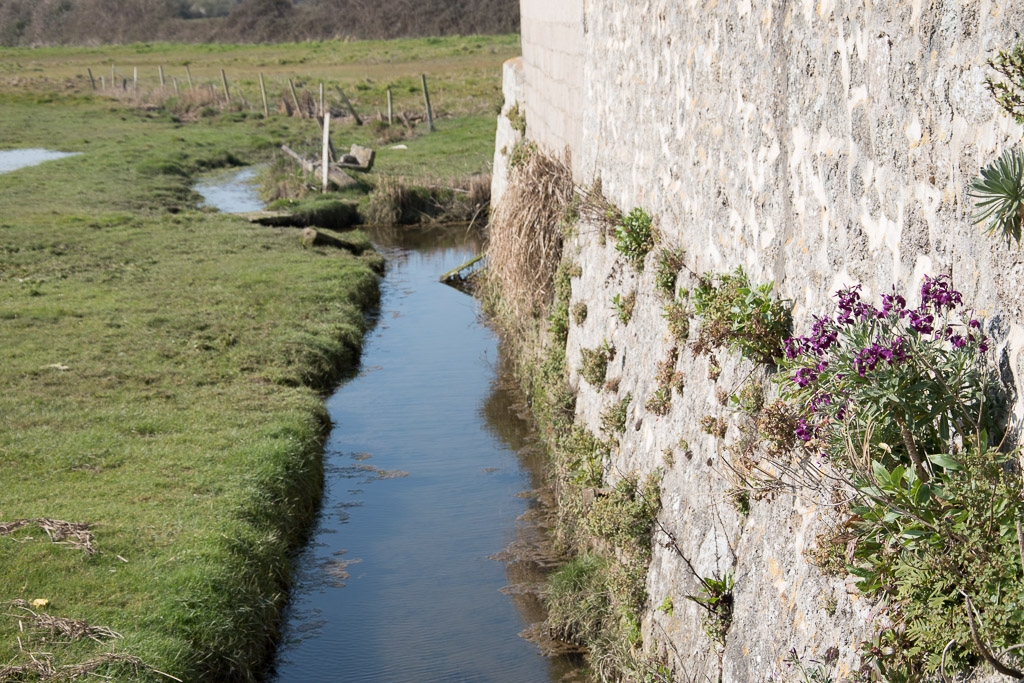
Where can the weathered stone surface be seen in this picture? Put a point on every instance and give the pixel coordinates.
(816, 144)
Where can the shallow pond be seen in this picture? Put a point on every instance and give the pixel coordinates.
(13, 159)
(231, 190)
(426, 466)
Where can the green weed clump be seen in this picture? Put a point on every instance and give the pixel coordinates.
(716, 600)
(635, 237)
(670, 262)
(613, 421)
(579, 312)
(1008, 93)
(735, 314)
(594, 363)
(677, 314)
(623, 306)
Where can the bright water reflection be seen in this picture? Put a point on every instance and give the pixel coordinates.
(230, 190)
(13, 159)
(422, 483)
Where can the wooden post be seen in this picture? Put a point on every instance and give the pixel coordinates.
(175, 79)
(426, 98)
(91, 79)
(322, 110)
(325, 159)
(188, 72)
(113, 78)
(135, 78)
(295, 98)
(351, 109)
(103, 82)
(163, 83)
(124, 84)
(391, 109)
(213, 95)
(263, 91)
(224, 80)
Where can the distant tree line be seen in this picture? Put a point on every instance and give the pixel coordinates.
(97, 22)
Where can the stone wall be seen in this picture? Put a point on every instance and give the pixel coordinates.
(816, 143)
(552, 35)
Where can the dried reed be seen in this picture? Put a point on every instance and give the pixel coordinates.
(74, 534)
(525, 240)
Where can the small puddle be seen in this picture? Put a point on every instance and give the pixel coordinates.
(426, 557)
(13, 159)
(231, 190)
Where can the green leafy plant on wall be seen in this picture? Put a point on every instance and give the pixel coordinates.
(635, 236)
(623, 306)
(1009, 93)
(999, 196)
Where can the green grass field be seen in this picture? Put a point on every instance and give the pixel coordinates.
(164, 366)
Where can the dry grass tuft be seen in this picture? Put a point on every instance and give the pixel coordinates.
(74, 534)
(64, 627)
(43, 670)
(525, 241)
(595, 209)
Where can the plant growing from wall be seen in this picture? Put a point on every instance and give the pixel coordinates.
(914, 375)
(670, 262)
(635, 237)
(613, 420)
(517, 118)
(623, 306)
(579, 312)
(999, 196)
(895, 399)
(716, 599)
(735, 314)
(1008, 94)
(594, 363)
(677, 315)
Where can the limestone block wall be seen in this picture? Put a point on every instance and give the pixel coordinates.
(816, 143)
(552, 35)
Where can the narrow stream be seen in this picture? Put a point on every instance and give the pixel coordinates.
(425, 543)
(426, 466)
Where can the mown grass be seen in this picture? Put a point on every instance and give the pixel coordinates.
(163, 375)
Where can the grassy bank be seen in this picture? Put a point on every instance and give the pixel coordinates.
(163, 375)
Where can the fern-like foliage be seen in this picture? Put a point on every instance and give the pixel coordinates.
(1009, 93)
(999, 196)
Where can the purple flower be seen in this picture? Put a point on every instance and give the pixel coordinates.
(939, 293)
(920, 322)
(805, 376)
(804, 431)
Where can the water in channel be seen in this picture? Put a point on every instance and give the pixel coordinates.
(407, 576)
(426, 465)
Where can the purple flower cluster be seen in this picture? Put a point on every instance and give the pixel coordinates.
(939, 293)
(892, 331)
(867, 359)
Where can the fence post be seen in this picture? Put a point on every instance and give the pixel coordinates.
(135, 78)
(391, 109)
(295, 99)
(426, 97)
(175, 80)
(325, 159)
(224, 79)
(162, 81)
(188, 72)
(348, 104)
(322, 110)
(263, 91)
(91, 79)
